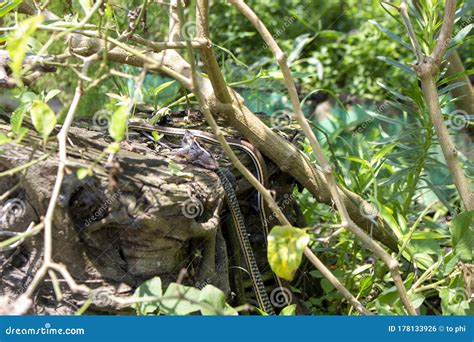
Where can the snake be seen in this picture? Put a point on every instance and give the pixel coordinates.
(257, 282)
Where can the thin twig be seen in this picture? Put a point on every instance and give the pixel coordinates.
(427, 72)
(411, 32)
(326, 168)
(251, 178)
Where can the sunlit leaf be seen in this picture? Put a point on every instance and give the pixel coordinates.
(83, 172)
(118, 123)
(51, 94)
(213, 302)
(8, 5)
(43, 118)
(17, 43)
(180, 300)
(162, 87)
(150, 288)
(285, 250)
(461, 234)
(289, 310)
(16, 119)
(4, 138)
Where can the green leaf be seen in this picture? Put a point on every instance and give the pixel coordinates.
(390, 34)
(360, 161)
(285, 250)
(326, 285)
(4, 138)
(454, 300)
(162, 87)
(408, 70)
(157, 136)
(17, 43)
(83, 172)
(150, 288)
(180, 300)
(366, 283)
(43, 119)
(17, 118)
(215, 299)
(382, 153)
(461, 234)
(289, 310)
(416, 299)
(118, 123)
(460, 35)
(8, 5)
(51, 94)
(361, 269)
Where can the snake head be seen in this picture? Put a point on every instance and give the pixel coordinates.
(195, 153)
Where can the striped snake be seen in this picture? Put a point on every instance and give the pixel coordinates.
(259, 288)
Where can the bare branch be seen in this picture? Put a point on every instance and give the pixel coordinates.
(347, 221)
(445, 32)
(411, 32)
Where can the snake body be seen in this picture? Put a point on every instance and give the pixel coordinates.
(257, 282)
(259, 288)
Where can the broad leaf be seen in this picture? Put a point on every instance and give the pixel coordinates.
(118, 123)
(180, 300)
(289, 310)
(285, 249)
(150, 288)
(213, 302)
(17, 43)
(461, 234)
(43, 118)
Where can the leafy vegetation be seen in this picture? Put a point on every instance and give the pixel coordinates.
(353, 64)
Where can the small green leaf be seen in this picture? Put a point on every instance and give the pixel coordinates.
(382, 153)
(118, 123)
(83, 172)
(8, 5)
(180, 300)
(43, 118)
(360, 161)
(461, 234)
(326, 285)
(215, 300)
(285, 250)
(150, 288)
(454, 299)
(51, 94)
(17, 43)
(162, 87)
(157, 136)
(289, 310)
(391, 34)
(361, 269)
(17, 118)
(4, 138)
(366, 283)
(408, 70)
